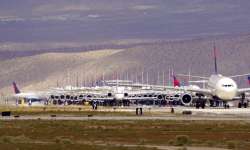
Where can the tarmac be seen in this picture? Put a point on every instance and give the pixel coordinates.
(232, 114)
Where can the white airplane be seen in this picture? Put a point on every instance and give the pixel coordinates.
(110, 94)
(165, 92)
(220, 88)
(30, 98)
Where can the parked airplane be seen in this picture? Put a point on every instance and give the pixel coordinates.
(220, 88)
(154, 92)
(30, 98)
(110, 95)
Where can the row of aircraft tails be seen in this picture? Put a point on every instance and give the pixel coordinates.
(219, 89)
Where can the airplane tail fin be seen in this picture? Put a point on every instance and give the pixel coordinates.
(176, 82)
(248, 77)
(16, 90)
(215, 60)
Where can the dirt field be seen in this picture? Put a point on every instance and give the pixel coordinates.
(94, 135)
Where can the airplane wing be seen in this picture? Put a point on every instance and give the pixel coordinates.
(99, 98)
(198, 81)
(240, 75)
(192, 76)
(27, 96)
(202, 91)
(243, 90)
(190, 89)
(31, 96)
(140, 98)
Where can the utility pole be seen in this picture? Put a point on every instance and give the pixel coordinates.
(136, 77)
(158, 76)
(147, 77)
(77, 80)
(169, 76)
(189, 76)
(142, 77)
(127, 76)
(163, 77)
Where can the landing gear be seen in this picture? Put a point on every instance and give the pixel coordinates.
(211, 103)
(242, 102)
(226, 106)
(203, 104)
(200, 103)
(239, 105)
(94, 105)
(244, 105)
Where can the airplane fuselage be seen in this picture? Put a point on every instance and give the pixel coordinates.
(222, 87)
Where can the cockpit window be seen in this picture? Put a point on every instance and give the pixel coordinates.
(227, 85)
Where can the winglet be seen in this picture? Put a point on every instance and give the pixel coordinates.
(16, 90)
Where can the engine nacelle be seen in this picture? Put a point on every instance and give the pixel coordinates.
(186, 99)
(160, 97)
(125, 94)
(52, 96)
(62, 97)
(67, 97)
(80, 97)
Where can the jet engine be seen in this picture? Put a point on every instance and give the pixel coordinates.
(80, 97)
(67, 97)
(62, 97)
(52, 96)
(160, 97)
(186, 99)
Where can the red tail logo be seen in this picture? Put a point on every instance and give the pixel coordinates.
(16, 90)
(176, 82)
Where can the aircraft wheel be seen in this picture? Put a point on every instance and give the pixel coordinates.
(203, 105)
(239, 105)
(226, 106)
(197, 105)
(211, 103)
(54, 102)
(245, 105)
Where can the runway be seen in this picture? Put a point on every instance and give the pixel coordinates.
(85, 118)
(162, 113)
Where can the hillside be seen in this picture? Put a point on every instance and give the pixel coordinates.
(51, 69)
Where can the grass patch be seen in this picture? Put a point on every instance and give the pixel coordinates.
(232, 144)
(14, 139)
(181, 140)
(107, 134)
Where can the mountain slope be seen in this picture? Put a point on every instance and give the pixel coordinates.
(52, 69)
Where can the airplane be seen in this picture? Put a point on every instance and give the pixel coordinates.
(220, 88)
(109, 94)
(172, 95)
(30, 98)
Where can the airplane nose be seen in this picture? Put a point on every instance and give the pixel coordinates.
(227, 94)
